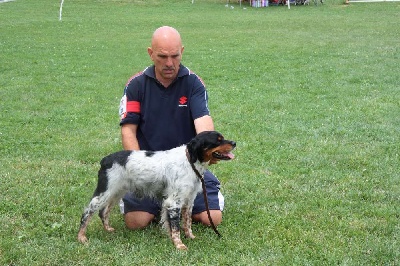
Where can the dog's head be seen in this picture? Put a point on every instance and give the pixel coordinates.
(210, 146)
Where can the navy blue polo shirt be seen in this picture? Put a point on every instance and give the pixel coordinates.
(164, 115)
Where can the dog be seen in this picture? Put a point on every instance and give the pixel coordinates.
(169, 176)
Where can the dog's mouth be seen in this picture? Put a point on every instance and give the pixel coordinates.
(224, 152)
(223, 156)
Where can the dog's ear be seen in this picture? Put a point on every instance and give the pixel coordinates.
(194, 150)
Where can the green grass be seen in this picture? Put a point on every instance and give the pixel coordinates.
(310, 94)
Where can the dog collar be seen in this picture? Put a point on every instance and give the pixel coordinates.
(193, 167)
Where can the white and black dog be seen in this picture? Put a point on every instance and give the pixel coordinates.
(164, 175)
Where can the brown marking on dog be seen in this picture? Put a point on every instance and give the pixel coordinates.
(187, 223)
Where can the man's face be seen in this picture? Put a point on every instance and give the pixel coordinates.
(166, 59)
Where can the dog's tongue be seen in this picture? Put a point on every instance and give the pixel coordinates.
(230, 155)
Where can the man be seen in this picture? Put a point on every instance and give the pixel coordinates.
(164, 107)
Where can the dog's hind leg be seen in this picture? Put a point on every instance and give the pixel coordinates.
(94, 205)
(104, 214)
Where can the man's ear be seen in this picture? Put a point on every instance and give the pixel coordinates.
(182, 49)
(150, 52)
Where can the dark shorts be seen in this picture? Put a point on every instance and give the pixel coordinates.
(215, 199)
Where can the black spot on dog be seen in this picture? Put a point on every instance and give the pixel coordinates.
(149, 153)
(174, 217)
(107, 162)
(120, 157)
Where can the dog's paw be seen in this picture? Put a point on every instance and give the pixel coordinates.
(181, 246)
(191, 236)
(178, 244)
(108, 228)
(82, 238)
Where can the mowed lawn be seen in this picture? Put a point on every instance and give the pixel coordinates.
(310, 95)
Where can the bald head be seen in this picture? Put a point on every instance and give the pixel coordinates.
(166, 34)
(166, 53)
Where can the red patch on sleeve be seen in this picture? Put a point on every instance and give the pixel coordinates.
(133, 107)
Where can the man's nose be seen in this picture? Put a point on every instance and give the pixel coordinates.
(169, 61)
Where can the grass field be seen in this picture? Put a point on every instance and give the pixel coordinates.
(311, 96)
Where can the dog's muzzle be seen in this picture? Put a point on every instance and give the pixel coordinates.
(225, 154)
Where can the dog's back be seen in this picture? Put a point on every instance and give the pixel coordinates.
(145, 172)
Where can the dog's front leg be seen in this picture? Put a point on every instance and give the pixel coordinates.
(187, 222)
(174, 217)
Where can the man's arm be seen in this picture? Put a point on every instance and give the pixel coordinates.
(128, 137)
(204, 123)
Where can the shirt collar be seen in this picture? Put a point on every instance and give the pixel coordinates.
(183, 71)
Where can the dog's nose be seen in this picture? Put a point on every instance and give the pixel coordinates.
(233, 144)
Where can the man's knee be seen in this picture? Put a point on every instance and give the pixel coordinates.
(138, 219)
(216, 216)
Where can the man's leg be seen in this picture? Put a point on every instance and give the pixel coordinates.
(138, 219)
(215, 202)
(216, 216)
(139, 213)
